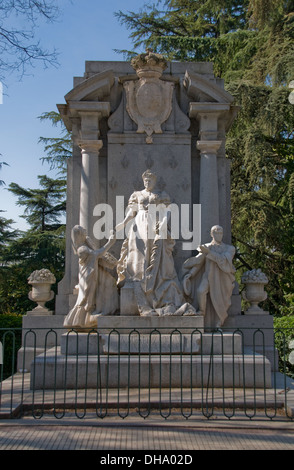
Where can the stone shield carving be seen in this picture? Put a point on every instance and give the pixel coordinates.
(149, 99)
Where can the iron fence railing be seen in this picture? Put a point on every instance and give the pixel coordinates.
(142, 372)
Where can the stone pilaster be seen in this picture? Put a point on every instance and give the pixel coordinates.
(89, 192)
(208, 191)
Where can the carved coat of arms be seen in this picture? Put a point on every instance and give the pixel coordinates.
(149, 99)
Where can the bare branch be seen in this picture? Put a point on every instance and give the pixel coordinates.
(19, 47)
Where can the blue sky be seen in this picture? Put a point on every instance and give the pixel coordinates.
(86, 30)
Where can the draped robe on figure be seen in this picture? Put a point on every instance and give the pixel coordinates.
(217, 268)
(97, 291)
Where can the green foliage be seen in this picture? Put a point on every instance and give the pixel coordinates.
(42, 206)
(10, 321)
(10, 338)
(260, 146)
(57, 149)
(195, 31)
(43, 244)
(244, 39)
(284, 333)
(1, 164)
(6, 233)
(25, 254)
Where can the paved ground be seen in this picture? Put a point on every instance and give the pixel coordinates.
(81, 429)
(153, 434)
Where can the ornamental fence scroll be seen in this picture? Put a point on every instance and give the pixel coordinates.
(183, 374)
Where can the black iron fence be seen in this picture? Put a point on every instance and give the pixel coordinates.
(145, 372)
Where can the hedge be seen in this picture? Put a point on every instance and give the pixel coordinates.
(284, 333)
(11, 342)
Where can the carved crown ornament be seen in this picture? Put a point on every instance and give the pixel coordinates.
(149, 63)
(149, 99)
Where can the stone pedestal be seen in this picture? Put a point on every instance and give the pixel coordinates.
(40, 312)
(159, 371)
(153, 352)
(164, 324)
(128, 304)
(258, 334)
(39, 333)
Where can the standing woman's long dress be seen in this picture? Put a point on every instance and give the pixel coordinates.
(149, 261)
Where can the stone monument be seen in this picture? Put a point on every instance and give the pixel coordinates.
(126, 119)
(148, 187)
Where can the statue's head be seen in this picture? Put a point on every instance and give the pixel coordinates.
(78, 235)
(149, 179)
(217, 233)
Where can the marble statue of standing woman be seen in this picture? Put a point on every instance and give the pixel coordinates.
(146, 259)
(97, 291)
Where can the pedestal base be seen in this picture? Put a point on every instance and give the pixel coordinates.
(156, 352)
(157, 371)
(40, 312)
(128, 304)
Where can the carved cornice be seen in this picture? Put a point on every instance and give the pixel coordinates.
(196, 84)
(199, 109)
(90, 146)
(209, 147)
(75, 109)
(226, 112)
(84, 96)
(101, 108)
(96, 87)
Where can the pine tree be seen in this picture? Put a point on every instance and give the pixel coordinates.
(1, 181)
(42, 245)
(57, 149)
(42, 206)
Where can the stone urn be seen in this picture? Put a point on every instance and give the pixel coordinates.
(41, 282)
(254, 293)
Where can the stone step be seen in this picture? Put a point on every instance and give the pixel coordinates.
(57, 371)
(164, 324)
(153, 343)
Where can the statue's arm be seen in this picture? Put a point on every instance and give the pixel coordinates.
(224, 260)
(111, 241)
(90, 243)
(192, 265)
(131, 212)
